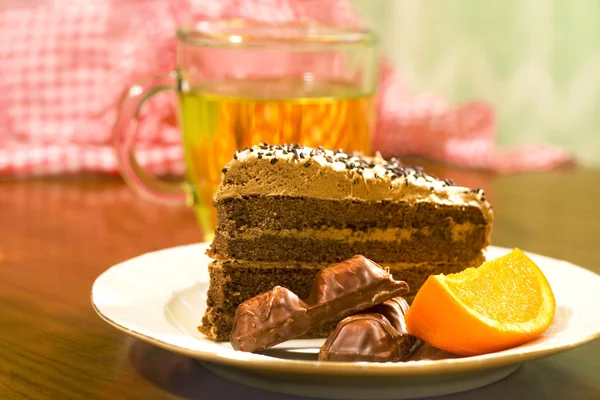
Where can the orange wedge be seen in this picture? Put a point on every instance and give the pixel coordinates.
(503, 303)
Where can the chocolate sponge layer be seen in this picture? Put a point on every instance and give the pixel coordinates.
(283, 212)
(233, 282)
(432, 247)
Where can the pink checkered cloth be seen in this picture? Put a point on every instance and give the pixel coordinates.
(65, 64)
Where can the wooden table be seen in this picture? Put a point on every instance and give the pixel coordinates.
(58, 235)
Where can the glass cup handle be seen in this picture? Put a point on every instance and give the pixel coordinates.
(124, 134)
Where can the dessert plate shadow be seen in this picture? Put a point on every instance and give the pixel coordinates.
(160, 298)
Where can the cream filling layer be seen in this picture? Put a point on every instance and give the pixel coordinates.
(394, 266)
(459, 232)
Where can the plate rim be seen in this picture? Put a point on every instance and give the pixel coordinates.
(336, 368)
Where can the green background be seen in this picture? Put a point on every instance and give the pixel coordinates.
(536, 61)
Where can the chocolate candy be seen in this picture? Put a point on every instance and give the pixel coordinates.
(363, 337)
(378, 335)
(394, 310)
(348, 282)
(269, 318)
(338, 291)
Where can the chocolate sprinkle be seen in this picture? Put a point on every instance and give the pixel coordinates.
(273, 161)
(307, 164)
(295, 151)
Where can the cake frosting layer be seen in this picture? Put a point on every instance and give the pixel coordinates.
(326, 174)
(455, 232)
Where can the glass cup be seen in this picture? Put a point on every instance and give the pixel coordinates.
(240, 83)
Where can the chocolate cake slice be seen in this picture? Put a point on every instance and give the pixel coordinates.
(286, 212)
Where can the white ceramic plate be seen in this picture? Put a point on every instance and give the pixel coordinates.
(160, 298)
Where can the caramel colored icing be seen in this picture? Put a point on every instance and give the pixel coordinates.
(458, 231)
(395, 266)
(297, 171)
